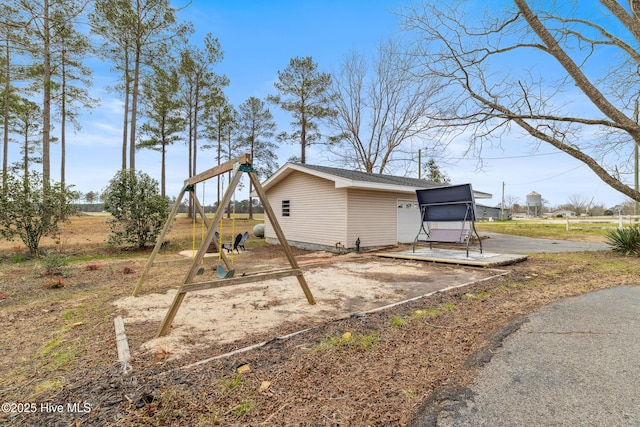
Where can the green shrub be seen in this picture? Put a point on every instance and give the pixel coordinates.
(29, 209)
(54, 264)
(138, 210)
(625, 240)
(18, 258)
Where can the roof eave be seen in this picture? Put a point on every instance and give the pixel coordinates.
(361, 185)
(340, 182)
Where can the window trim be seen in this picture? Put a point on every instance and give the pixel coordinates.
(286, 208)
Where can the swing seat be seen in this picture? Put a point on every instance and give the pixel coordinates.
(245, 236)
(224, 274)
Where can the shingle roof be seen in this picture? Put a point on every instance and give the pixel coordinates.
(357, 179)
(371, 177)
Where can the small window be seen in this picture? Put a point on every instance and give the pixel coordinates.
(286, 208)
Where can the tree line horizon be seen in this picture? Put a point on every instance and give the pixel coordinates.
(374, 113)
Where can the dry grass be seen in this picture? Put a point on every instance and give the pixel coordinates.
(544, 229)
(58, 344)
(86, 236)
(50, 321)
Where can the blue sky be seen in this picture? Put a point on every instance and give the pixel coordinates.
(258, 39)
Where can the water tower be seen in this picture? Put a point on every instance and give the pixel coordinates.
(534, 204)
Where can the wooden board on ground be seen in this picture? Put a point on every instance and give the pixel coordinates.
(122, 344)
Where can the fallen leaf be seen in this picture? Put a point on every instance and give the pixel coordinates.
(264, 386)
(243, 369)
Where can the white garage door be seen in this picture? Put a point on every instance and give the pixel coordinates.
(408, 220)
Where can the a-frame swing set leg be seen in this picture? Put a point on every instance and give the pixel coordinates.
(238, 165)
(160, 240)
(189, 286)
(281, 237)
(165, 231)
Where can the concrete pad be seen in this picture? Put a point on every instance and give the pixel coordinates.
(459, 257)
(498, 249)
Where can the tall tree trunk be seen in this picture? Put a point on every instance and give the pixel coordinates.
(63, 122)
(163, 192)
(46, 103)
(219, 160)
(134, 110)
(195, 129)
(303, 140)
(253, 138)
(7, 90)
(229, 174)
(127, 93)
(191, 207)
(25, 160)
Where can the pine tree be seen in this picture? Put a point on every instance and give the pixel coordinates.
(136, 34)
(162, 109)
(200, 86)
(255, 129)
(303, 92)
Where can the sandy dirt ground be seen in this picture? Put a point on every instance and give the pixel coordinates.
(342, 288)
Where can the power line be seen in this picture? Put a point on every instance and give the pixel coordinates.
(507, 157)
(550, 177)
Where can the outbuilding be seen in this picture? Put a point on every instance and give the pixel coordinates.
(321, 207)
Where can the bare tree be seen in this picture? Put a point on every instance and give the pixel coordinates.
(510, 201)
(381, 106)
(577, 203)
(538, 68)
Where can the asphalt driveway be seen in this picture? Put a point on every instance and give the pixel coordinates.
(508, 244)
(573, 363)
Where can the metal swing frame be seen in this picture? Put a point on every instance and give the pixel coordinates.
(450, 204)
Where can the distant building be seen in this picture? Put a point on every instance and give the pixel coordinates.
(492, 212)
(534, 204)
(564, 213)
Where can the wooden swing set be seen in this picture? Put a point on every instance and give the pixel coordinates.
(225, 274)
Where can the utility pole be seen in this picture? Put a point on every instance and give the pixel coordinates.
(502, 203)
